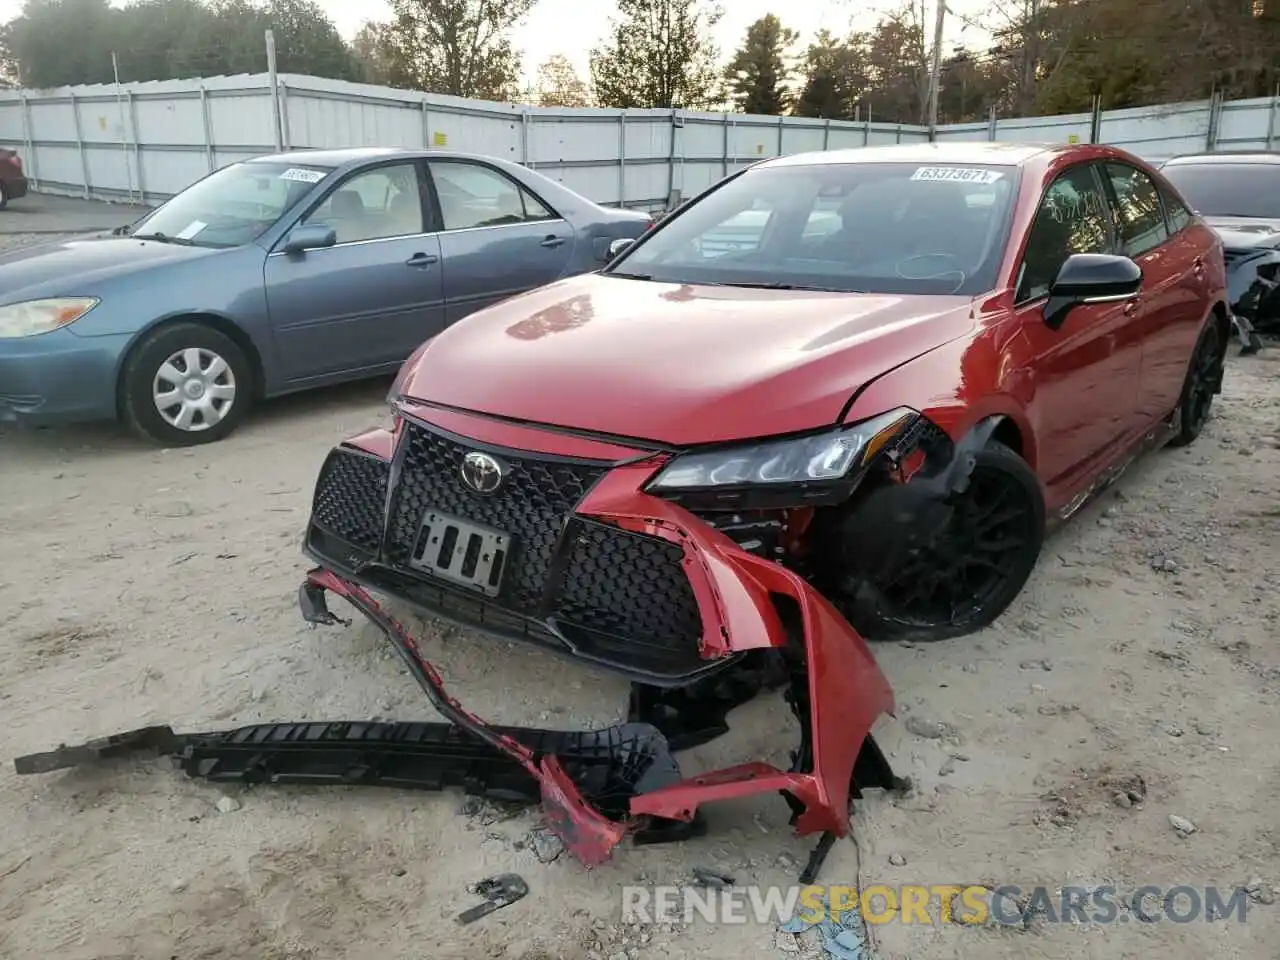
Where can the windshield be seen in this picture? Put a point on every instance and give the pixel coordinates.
(855, 227)
(1228, 190)
(231, 206)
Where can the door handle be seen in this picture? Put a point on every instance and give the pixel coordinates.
(422, 260)
(1198, 266)
(1131, 305)
(552, 241)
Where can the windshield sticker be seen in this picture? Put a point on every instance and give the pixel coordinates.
(302, 175)
(190, 230)
(957, 174)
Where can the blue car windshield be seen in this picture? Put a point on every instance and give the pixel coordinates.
(232, 206)
(895, 228)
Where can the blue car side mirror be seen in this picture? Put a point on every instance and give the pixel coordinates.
(311, 236)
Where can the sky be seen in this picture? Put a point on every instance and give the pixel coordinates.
(573, 27)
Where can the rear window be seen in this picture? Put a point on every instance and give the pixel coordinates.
(865, 227)
(1228, 189)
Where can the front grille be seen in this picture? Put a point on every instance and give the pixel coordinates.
(629, 585)
(574, 584)
(350, 498)
(537, 497)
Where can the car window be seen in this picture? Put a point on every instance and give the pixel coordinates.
(472, 195)
(1141, 220)
(1219, 189)
(375, 205)
(1072, 218)
(232, 206)
(876, 227)
(1175, 211)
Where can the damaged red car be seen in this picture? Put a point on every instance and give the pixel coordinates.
(837, 395)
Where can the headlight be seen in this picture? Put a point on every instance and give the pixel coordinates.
(818, 459)
(41, 316)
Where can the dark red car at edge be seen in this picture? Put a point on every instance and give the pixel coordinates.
(13, 179)
(837, 395)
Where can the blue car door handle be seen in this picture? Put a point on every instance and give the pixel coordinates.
(422, 260)
(552, 241)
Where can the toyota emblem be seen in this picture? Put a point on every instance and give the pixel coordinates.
(481, 472)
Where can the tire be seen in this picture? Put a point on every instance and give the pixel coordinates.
(882, 612)
(4, 195)
(1202, 383)
(206, 407)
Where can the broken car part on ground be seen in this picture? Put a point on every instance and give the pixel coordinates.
(596, 787)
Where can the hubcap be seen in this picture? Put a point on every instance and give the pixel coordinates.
(194, 389)
(951, 582)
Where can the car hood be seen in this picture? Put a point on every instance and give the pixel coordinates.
(1246, 233)
(677, 364)
(79, 267)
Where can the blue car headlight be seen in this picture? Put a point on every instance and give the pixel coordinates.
(34, 317)
(836, 457)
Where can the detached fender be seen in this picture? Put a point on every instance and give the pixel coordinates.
(1253, 288)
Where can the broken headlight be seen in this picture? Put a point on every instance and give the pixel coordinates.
(790, 472)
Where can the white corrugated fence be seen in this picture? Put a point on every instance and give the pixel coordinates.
(146, 141)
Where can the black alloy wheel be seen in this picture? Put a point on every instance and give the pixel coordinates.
(978, 565)
(1203, 383)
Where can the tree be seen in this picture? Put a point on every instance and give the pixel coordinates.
(559, 84)
(970, 86)
(460, 47)
(307, 41)
(660, 55)
(898, 66)
(63, 42)
(57, 42)
(379, 57)
(835, 78)
(758, 73)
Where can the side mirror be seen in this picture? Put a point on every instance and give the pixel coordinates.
(1090, 278)
(310, 236)
(619, 246)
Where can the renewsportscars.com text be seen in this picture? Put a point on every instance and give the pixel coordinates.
(938, 903)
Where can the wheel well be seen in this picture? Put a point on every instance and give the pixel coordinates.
(1007, 433)
(223, 326)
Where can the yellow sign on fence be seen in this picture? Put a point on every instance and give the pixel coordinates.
(440, 139)
(1073, 138)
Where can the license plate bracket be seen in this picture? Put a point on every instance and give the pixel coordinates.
(468, 554)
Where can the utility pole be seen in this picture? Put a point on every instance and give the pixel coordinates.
(935, 70)
(274, 81)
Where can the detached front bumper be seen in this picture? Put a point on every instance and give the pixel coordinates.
(616, 579)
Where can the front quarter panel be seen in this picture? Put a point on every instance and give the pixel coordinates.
(226, 284)
(960, 384)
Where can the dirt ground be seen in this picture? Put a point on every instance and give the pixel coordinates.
(143, 586)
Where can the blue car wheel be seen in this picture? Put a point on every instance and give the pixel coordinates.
(185, 384)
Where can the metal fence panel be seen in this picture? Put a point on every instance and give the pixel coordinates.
(150, 140)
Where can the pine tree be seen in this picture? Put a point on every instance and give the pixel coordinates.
(757, 75)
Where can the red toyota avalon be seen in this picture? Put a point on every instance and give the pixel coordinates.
(837, 395)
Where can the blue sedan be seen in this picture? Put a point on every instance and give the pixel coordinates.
(280, 274)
